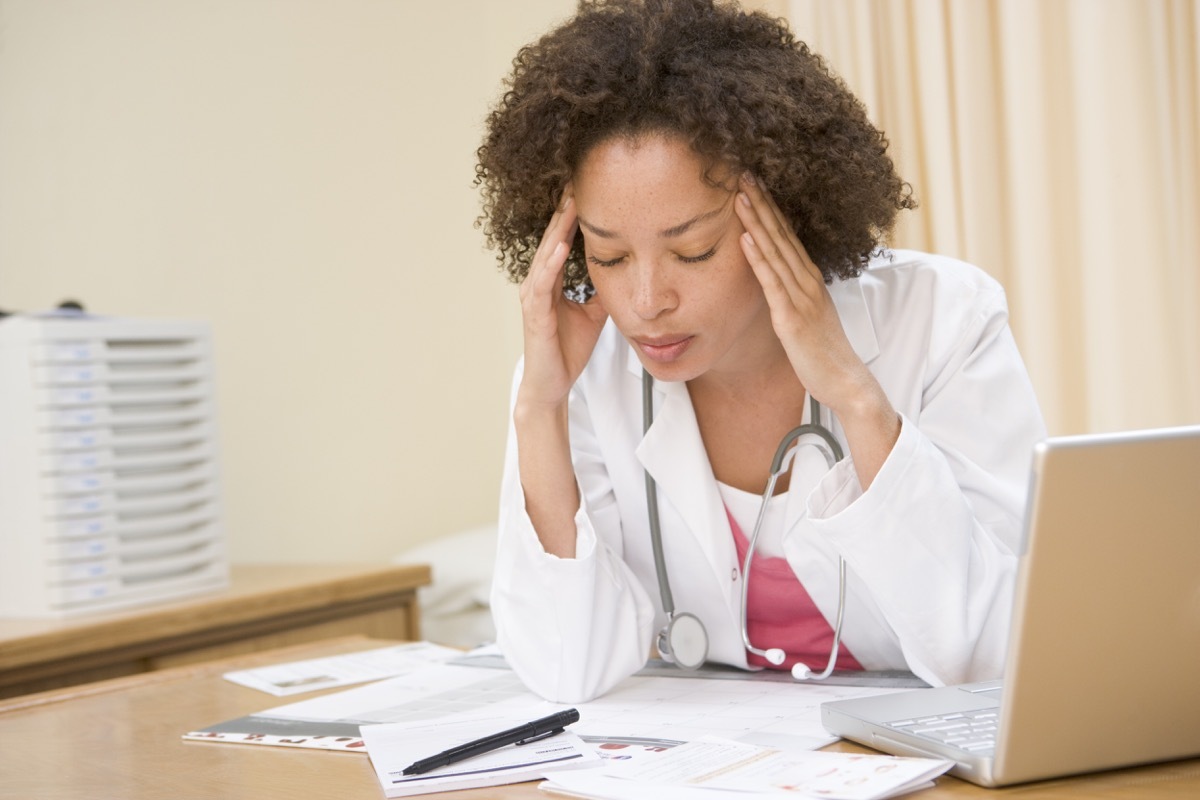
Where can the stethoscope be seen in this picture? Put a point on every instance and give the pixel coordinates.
(683, 640)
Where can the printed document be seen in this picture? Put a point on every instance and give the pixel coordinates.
(711, 768)
(393, 747)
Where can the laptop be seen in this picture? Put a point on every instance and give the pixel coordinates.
(1103, 666)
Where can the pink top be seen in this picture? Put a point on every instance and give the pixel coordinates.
(781, 614)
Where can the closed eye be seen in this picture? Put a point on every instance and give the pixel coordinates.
(612, 262)
(699, 258)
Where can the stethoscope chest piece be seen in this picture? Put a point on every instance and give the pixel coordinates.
(683, 641)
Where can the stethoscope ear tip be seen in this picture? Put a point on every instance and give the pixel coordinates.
(774, 655)
(801, 672)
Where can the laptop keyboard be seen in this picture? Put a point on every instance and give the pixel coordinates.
(973, 731)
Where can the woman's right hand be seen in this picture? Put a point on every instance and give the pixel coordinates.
(559, 338)
(560, 334)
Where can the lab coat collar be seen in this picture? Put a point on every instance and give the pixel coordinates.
(856, 317)
(673, 453)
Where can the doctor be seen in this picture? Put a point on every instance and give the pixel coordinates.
(726, 200)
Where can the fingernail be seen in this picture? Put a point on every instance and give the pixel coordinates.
(744, 198)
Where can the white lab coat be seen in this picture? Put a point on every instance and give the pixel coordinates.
(931, 547)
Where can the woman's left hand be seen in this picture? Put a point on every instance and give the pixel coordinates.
(807, 324)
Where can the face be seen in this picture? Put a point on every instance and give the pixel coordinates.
(663, 253)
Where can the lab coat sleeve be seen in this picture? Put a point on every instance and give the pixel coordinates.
(570, 628)
(935, 538)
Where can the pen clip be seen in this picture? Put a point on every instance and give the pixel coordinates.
(540, 736)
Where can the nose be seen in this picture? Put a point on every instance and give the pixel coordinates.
(653, 293)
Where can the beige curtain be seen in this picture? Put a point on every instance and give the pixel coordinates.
(1056, 144)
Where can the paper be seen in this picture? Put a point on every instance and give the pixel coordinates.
(344, 670)
(393, 747)
(836, 776)
(711, 769)
(640, 709)
(672, 709)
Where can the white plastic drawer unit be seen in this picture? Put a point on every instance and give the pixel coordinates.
(109, 475)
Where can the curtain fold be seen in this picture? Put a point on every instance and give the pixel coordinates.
(1056, 144)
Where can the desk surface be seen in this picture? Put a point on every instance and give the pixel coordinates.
(121, 738)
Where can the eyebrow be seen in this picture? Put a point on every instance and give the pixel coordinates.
(669, 233)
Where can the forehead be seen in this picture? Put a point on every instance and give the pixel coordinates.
(653, 179)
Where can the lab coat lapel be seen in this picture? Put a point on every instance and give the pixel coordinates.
(673, 453)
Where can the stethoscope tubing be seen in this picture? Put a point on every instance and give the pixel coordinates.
(833, 453)
(656, 545)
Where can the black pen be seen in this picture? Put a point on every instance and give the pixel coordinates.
(522, 734)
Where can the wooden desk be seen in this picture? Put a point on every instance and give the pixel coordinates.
(266, 606)
(121, 739)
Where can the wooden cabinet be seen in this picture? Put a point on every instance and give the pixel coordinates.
(266, 606)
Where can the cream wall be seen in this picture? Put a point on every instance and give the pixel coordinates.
(298, 172)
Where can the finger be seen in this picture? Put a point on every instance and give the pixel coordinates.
(542, 288)
(556, 218)
(794, 313)
(770, 232)
(774, 288)
(809, 264)
(765, 203)
(758, 192)
(560, 221)
(560, 230)
(543, 285)
(772, 250)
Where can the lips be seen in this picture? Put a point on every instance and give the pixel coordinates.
(664, 349)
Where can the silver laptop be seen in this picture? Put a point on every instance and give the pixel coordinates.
(1103, 665)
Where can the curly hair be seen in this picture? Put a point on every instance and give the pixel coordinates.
(737, 86)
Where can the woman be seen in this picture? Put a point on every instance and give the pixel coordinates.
(726, 199)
